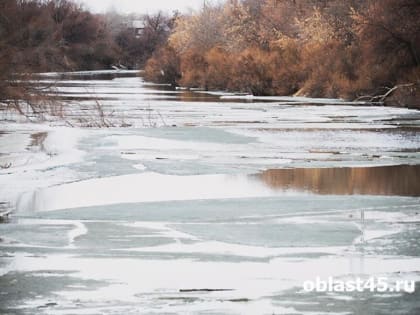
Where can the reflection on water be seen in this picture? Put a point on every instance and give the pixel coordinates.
(152, 91)
(93, 75)
(398, 180)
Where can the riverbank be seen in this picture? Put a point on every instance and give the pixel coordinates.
(342, 49)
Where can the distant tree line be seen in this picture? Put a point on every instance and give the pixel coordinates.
(353, 49)
(60, 35)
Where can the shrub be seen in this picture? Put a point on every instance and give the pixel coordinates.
(163, 67)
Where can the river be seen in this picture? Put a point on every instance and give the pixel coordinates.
(144, 199)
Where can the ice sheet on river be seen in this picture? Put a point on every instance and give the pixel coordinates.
(179, 214)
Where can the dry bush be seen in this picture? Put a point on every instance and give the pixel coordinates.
(407, 94)
(163, 67)
(335, 48)
(199, 32)
(285, 64)
(136, 49)
(330, 70)
(251, 72)
(193, 69)
(41, 36)
(389, 39)
(218, 72)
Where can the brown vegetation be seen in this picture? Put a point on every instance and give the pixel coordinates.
(399, 180)
(135, 49)
(319, 48)
(59, 35)
(353, 49)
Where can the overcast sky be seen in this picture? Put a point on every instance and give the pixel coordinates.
(140, 6)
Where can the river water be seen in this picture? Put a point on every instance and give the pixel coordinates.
(143, 199)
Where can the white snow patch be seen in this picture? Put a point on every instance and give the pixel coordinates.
(145, 187)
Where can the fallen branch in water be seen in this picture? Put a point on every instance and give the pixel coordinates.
(382, 97)
(203, 290)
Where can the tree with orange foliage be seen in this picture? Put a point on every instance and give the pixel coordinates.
(322, 48)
